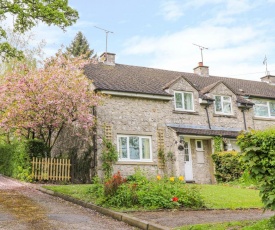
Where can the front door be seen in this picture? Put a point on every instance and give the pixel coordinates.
(188, 168)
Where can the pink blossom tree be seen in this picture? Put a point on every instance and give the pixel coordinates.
(39, 103)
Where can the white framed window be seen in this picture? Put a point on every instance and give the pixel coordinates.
(264, 108)
(134, 148)
(223, 104)
(199, 145)
(184, 101)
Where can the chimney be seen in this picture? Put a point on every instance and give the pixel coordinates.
(201, 70)
(107, 58)
(270, 79)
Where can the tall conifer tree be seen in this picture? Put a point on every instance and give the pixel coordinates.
(80, 46)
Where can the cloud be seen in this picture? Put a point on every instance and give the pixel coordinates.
(236, 48)
(228, 12)
(228, 47)
(171, 10)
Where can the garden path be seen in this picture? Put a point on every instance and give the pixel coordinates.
(23, 207)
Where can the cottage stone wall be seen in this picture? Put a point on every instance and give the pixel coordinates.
(139, 116)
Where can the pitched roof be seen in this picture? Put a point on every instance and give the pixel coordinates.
(135, 79)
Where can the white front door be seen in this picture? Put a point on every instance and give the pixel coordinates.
(188, 160)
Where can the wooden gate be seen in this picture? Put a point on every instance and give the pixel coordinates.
(51, 169)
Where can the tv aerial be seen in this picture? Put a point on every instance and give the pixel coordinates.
(201, 48)
(107, 32)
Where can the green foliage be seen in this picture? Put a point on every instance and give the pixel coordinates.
(138, 191)
(109, 157)
(218, 144)
(15, 161)
(81, 165)
(80, 46)
(28, 14)
(258, 149)
(227, 165)
(37, 148)
(246, 180)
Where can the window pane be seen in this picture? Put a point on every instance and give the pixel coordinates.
(145, 148)
(218, 104)
(260, 102)
(226, 107)
(272, 109)
(261, 111)
(188, 103)
(178, 98)
(225, 98)
(134, 148)
(123, 147)
(199, 145)
(186, 151)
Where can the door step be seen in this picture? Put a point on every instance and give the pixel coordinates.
(190, 181)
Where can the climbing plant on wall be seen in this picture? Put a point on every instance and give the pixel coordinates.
(109, 157)
(218, 144)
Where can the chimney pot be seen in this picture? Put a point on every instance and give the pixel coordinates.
(201, 70)
(108, 58)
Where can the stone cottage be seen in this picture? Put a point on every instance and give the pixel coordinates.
(154, 112)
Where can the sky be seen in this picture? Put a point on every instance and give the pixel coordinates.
(161, 33)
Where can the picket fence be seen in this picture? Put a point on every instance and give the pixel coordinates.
(51, 169)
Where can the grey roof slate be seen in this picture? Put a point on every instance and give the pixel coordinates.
(135, 79)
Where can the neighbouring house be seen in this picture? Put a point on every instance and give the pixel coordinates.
(153, 113)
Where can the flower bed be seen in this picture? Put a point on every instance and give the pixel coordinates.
(140, 192)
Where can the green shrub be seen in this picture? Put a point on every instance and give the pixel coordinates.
(227, 166)
(141, 192)
(169, 194)
(258, 149)
(247, 181)
(36, 148)
(15, 161)
(6, 154)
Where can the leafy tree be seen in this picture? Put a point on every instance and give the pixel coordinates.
(32, 54)
(28, 13)
(39, 103)
(80, 46)
(258, 149)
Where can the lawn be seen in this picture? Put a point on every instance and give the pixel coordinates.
(223, 197)
(215, 196)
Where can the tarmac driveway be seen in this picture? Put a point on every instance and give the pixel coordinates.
(22, 207)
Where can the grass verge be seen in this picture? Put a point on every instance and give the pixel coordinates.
(265, 224)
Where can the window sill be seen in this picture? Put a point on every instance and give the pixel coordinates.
(224, 115)
(135, 163)
(264, 118)
(185, 112)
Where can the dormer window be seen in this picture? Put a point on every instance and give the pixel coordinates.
(184, 101)
(223, 105)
